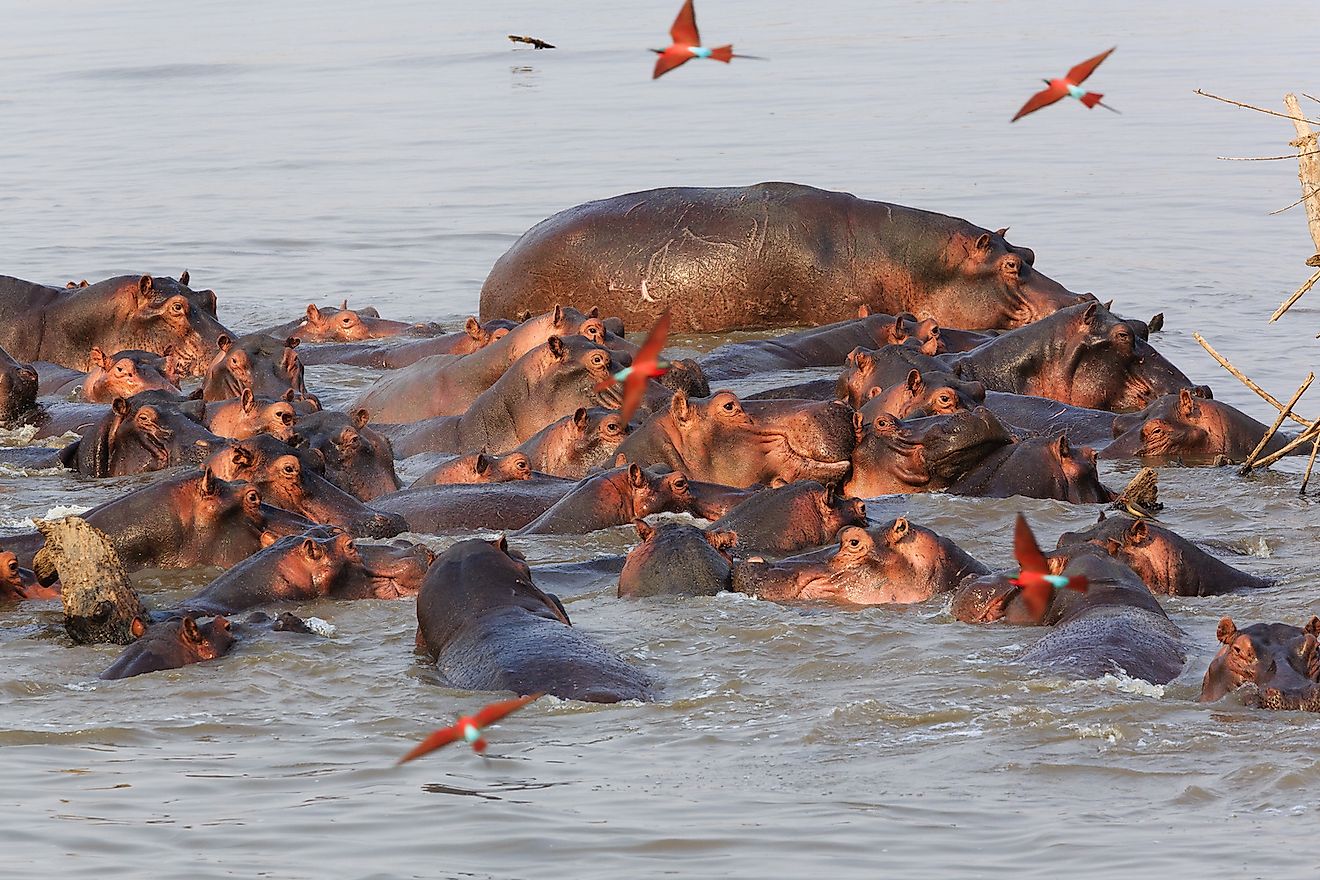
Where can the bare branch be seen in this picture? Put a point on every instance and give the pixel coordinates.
(1267, 158)
(1304, 197)
(1253, 107)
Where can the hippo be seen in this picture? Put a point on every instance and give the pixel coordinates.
(1081, 355)
(250, 415)
(182, 521)
(143, 433)
(970, 453)
(1115, 626)
(549, 382)
(614, 498)
(478, 467)
(769, 255)
(676, 559)
(815, 347)
(448, 385)
(576, 444)
(791, 518)
(18, 584)
(286, 483)
(466, 506)
(1278, 663)
(1166, 562)
(722, 440)
(18, 391)
(899, 562)
(330, 324)
(922, 394)
(1191, 429)
(1040, 416)
(171, 644)
(143, 312)
(232, 459)
(256, 362)
(126, 374)
(320, 563)
(489, 627)
(358, 459)
(394, 354)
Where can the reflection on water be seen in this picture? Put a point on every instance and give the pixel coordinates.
(298, 152)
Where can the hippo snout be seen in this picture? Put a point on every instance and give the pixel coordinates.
(380, 525)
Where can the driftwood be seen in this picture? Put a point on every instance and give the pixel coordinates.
(99, 602)
(1242, 377)
(1274, 429)
(1141, 495)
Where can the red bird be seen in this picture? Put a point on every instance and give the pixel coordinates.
(468, 729)
(646, 365)
(1067, 87)
(687, 45)
(1034, 579)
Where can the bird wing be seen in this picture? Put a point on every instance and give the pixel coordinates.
(1026, 550)
(1043, 98)
(669, 59)
(442, 737)
(649, 353)
(1079, 73)
(634, 387)
(684, 30)
(495, 711)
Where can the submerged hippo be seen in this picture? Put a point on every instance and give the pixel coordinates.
(398, 352)
(1279, 664)
(171, 644)
(722, 440)
(127, 373)
(144, 312)
(1166, 562)
(250, 415)
(1192, 429)
(342, 324)
(468, 506)
(769, 255)
(18, 391)
(144, 433)
(358, 459)
(1082, 355)
(1115, 626)
(267, 367)
(676, 559)
(932, 393)
(899, 562)
(490, 628)
(791, 518)
(478, 467)
(617, 497)
(576, 444)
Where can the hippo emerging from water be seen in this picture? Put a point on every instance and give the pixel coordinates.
(769, 255)
(1279, 664)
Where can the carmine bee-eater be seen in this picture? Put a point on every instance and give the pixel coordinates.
(646, 365)
(687, 45)
(1035, 580)
(1068, 86)
(468, 728)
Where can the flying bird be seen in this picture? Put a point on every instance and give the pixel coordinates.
(646, 365)
(468, 728)
(1068, 86)
(1034, 579)
(687, 45)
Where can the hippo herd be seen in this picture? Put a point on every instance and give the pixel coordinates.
(932, 356)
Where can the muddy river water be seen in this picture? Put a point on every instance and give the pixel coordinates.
(389, 152)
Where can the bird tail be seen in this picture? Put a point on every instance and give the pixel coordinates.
(1090, 99)
(1078, 582)
(722, 53)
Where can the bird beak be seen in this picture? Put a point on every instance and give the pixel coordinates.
(1047, 82)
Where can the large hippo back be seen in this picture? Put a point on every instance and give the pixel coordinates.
(768, 255)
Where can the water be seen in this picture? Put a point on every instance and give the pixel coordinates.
(389, 153)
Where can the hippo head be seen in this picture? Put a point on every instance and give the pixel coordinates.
(1105, 364)
(225, 521)
(797, 439)
(343, 324)
(560, 321)
(656, 492)
(159, 313)
(250, 415)
(581, 441)
(931, 453)
(1047, 467)
(677, 559)
(501, 468)
(390, 571)
(1165, 561)
(1188, 426)
(998, 282)
(560, 375)
(858, 378)
(143, 433)
(171, 644)
(932, 393)
(18, 583)
(1282, 661)
(18, 388)
(480, 335)
(256, 362)
(357, 458)
(787, 519)
(316, 563)
(128, 373)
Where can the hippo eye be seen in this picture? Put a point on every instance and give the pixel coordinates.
(13, 565)
(729, 406)
(1012, 266)
(853, 542)
(346, 320)
(520, 465)
(290, 469)
(680, 484)
(598, 360)
(253, 497)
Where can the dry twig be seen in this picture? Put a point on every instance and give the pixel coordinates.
(1241, 377)
(1274, 429)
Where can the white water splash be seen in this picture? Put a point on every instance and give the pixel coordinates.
(320, 627)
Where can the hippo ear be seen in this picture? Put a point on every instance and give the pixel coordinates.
(267, 539)
(1002, 233)
(343, 307)
(291, 342)
(1102, 518)
(523, 316)
(1088, 316)
(311, 549)
(636, 476)
(914, 383)
(725, 540)
(873, 391)
(145, 285)
(209, 486)
(483, 463)
(1061, 446)
(644, 529)
(579, 419)
(593, 312)
(313, 313)
(1312, 626)
(899, 529)
(1187, 407)
(184, 278)
(898, 333)
(241, 456)
(191, 633)
(557, 316)
(863, 311)
(501, 544)
(98, 358)
(556, 345)
(224, 342)
(1137, 532)
(1109, 305)
(859, 425)
(983, 242)
(472, 327)
(247, 401)
(119, 406)
(360, 418)
(679, 407)
(1226, 631)
(137, 627)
